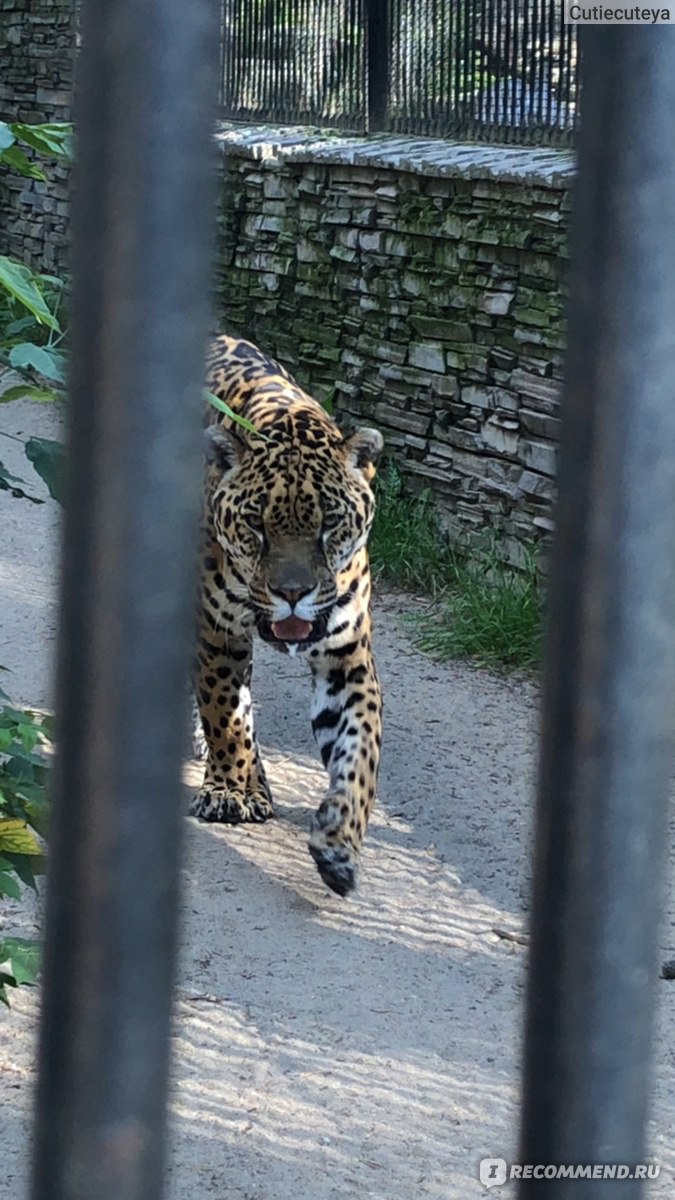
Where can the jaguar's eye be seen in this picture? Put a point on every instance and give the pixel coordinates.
(255, 522)
(330, 522)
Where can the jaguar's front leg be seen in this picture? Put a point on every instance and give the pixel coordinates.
(347, 723)
(235, 788)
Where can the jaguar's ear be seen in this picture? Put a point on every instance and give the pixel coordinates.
(363, 449)
(222, 446)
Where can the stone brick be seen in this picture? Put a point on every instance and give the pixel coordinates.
(496, 303)
(540, 424)
(441, 330)
(463, 438)
(538, 456)
(370, 243)
(390, 416)
(478, 397)
(427, 355)
(539, 486)
(501, 434)
(527, 384)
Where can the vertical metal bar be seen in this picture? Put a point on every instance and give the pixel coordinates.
(609, 702)
(148, 87)
(223, 53)
(573, 75)
(378, 30)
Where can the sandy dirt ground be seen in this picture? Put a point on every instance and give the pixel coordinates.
(327, 1049)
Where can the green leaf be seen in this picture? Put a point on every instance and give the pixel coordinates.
(9, 886)
(37, 812)
(23, 957)
(48, 362)
(29, 735)
(22, 283)
(24, 765)
(223, 407)
(53, 139)
(18, 326)
(328, 403)
(11, 716)
(26, 867)
(57, 282)
(48, 458)
(24, 391)
(7, 138)
(6, 739)
(17, 838)
(16, 160)
(25, 799)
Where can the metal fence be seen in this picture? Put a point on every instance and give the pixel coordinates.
(497, 69)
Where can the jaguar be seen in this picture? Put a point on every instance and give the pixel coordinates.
(288, 507)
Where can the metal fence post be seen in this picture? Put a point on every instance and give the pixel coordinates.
(378, 40)
(609, 704)
(142, 210)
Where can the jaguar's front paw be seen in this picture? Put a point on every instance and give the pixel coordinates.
(334, 853)
(231, 807)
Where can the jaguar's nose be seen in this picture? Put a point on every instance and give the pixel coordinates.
(292, 595)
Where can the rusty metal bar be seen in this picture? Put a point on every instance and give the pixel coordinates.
(147, 93)
(609, 704)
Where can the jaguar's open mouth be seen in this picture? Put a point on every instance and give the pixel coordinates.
(292, 631)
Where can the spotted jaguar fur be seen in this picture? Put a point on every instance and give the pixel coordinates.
(287, 515)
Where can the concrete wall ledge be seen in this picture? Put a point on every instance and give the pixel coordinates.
(431, 157)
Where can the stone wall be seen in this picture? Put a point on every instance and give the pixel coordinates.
(420, 286)
(37, 49)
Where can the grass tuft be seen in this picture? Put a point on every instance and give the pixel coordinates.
(481, 608)
(406, 546)
(491, 614)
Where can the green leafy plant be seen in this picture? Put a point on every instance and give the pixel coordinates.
(23, 284)
(19, 963)
(49, 459)
(24, 738)
(30, 328)
(30, 338)
(53, 140)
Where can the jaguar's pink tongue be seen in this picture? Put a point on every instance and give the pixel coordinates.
(292, 629)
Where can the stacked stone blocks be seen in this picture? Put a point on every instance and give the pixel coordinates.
(430, 305)
(37, 51)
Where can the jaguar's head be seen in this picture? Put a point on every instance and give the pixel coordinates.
(292, 515)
